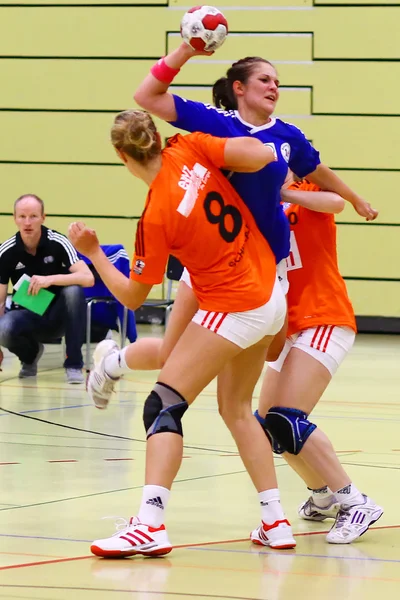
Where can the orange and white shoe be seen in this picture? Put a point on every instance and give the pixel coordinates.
(278, 535)
(135, 538)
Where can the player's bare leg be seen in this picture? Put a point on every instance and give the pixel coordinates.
(236, 385)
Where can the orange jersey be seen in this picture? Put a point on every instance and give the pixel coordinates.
(317, 293)
(193, 212)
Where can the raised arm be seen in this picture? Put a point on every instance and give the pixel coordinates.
(152, 94)
(326, 202)
(326, 179)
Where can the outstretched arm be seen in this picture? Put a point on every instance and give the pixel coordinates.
(326, 179)
(326, 202)
(130, 293)
(245, 154)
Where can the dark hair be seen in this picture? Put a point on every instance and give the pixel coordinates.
(222, 92)
(24, 196)
(135, 134)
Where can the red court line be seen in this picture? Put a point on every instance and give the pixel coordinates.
(44, 562)
(61, 560)
(10, 463)
(302, 534)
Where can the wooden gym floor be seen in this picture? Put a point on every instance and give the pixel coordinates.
(64, 466)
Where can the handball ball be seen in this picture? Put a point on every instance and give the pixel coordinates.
(204, 28)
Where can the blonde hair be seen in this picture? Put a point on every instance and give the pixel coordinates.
(135, 134)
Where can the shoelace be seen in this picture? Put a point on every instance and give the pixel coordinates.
(120, 523)
(341, 518)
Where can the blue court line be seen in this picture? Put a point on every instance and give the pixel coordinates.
(41, 537)
(36, 410)
(295, 553)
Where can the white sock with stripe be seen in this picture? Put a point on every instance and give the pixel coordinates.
(271, 509)
(154, 502)
(322, 497)
(349, 495)
(115, 364)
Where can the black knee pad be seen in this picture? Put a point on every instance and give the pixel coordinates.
(276, 448)
(163, 410)
(289, 428)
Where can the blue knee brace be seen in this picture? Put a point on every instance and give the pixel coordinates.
(289, 428)
(163, 410)
(275, 446)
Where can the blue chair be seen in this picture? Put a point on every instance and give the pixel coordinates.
(103, 307)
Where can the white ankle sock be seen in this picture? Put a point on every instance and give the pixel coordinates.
(154, 502)
(349, 496)
(271, 509)
(115, 364)
(322, 497)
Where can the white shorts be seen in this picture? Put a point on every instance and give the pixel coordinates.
(281, 271)
(328, 344)
(249, 327)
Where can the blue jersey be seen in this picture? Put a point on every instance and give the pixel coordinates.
(261, 190)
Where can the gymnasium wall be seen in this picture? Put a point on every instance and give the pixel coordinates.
(67, 69)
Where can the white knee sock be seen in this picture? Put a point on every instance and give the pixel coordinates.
(349, 495)
(271, 509)
(154, 502)
(323, 497)
(115, 364)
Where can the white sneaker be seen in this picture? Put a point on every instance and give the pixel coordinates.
(353, 521)
(134, 538)
(278, 535)
(309, 511)
(100, 386)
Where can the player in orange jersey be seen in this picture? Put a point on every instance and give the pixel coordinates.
(321, 332)
(193, 212)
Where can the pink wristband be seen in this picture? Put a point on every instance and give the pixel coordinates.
(163, 72)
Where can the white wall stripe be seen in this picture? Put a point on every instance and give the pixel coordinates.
(224, 8)
(201, 61)
(258, 34)
(209, 87)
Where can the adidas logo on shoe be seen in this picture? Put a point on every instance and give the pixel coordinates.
(156, 502)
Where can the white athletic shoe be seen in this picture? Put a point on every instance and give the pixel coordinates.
(309, 511)
(353, 521)
(134, 538)
(278, 535)
(99, 385)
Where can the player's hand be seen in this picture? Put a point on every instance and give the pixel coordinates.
(83, 238)
(364, 209)
(37, 283)
(189, 51)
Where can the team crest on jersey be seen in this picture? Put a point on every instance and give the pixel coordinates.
(48, 259)
(139, 266)
(272, 146)
(285, 151)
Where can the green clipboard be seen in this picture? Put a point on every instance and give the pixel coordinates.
(37, 304)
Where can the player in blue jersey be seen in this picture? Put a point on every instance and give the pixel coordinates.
(249, 94)
(245, 100)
